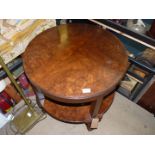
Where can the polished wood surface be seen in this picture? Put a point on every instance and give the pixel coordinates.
(66, 59)
(75, 113)
(76, 67)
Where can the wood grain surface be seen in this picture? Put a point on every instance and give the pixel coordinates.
(75, 113)
(66, 59)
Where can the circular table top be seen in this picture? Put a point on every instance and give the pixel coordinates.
(75, 62)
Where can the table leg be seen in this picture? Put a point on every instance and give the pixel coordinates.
(38, 93)
(94, 112)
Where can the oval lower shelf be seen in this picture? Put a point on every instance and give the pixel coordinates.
(74, 113)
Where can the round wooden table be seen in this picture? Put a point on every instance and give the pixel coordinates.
(77, 67)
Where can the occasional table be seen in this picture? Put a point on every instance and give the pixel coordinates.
(77, 67)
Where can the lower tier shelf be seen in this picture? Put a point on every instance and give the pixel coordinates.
(79, 113)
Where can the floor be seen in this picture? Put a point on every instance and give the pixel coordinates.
(123, 117)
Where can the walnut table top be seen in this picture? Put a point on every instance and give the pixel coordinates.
(75, 62)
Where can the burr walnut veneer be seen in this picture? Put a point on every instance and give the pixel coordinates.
(77, 67)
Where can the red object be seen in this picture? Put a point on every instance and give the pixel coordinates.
(23, 81)
(5, 102)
